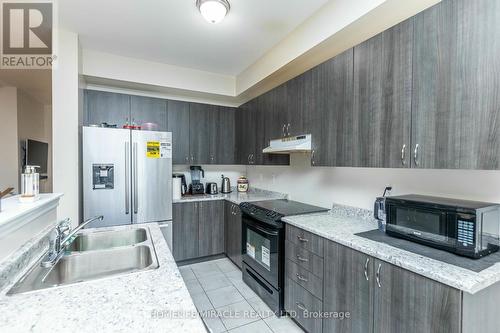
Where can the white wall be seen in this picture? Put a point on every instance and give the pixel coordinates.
(213, 173)
(360, 186)
(9, 145)
(65, 125)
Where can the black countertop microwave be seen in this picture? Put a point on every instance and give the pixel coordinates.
(467, 228)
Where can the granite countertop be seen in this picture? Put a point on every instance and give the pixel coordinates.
(342, 224)
(136, 302)
(253, 194)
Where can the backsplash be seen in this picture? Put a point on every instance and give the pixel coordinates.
(213, 173)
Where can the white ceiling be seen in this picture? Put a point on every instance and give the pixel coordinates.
(173, 31)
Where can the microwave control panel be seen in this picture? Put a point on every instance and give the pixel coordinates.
(465, 233)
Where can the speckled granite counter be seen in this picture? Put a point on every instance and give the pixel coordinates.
(137, 302)
(235, 197)
(341, 225)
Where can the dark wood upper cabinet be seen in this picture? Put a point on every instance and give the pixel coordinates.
(199, 133)
(106, 107)
(299, 100)
(144, 110)
(246, 127)
(178, 124)
(226, 136)
(382, 99)
(456, 93)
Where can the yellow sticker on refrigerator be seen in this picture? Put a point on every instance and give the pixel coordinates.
(153, 149)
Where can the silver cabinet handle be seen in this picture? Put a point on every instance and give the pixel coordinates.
(212, 159)
(304, 240)
(415, 154)
(283, 131)
(378, 275)
(299, 258)
(248, 158)
(313, 155)
(192, 159)
(187, 159)
(366, 269)
(301, 306)
(127, 175)
(288, 130)
(403, 155)
(136, 183)
(301, 278)
(233, 210)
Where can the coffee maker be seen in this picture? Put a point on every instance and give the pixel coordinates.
(197, 186)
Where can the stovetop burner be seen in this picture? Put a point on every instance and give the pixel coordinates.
(286, 207)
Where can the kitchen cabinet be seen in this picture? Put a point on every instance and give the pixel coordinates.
(455, 86)
(149, 110)
(185, 225)
(225, 136)
(301, 302)
(178, 124)
(233, 232)
(106, 107)
(348, 287)
(382, 99)
(330, 122)
(198, 229)
(211, 228)
(407, 302)
(200, 130)
(299, 97)
(246, 127)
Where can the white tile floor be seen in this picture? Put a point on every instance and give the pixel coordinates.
(227, 304)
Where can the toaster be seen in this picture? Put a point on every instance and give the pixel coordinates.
(212, 188)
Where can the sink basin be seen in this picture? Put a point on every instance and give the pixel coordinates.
(89, 266)
(107, 239)
(93, 255)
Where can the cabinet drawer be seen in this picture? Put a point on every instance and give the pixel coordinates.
(305, 259)
(304, 278)
(300, 302)
(305, 240)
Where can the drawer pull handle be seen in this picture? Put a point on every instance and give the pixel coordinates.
(299, 258)
(366, 268)
(301, 306)
(301, 278)
(378, 275)
(304, 240)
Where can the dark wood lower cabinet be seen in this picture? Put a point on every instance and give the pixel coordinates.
(211, 228)
(185, 230)
(233, 228)
(408, 302)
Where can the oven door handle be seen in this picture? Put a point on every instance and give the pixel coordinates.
(255, 224)
(267, 232)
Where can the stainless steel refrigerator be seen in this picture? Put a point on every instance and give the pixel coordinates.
(127, 176)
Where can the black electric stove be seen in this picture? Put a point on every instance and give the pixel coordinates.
(263, 247)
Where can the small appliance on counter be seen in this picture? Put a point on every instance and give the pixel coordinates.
(179, 185)
(226, 185)
(197, 186)
(30, 184)
(212, 188)
(379, 209)
(466, 228)
(242, 184)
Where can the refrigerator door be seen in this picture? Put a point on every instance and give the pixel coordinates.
(151, 176)
(106, 166)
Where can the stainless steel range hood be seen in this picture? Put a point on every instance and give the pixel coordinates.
(292, 144)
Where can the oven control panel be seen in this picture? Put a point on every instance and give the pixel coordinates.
(260, 213)
(465, 233)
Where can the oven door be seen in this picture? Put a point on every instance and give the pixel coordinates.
(261, 249)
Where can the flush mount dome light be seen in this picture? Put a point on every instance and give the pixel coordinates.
(213, 11)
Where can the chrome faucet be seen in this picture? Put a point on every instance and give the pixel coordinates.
(63, 238)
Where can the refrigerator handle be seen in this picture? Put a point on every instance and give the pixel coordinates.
(136, 197)
(127, 177)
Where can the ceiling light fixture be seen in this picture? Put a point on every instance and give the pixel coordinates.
(213, 11)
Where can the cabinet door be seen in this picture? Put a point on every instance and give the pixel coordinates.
(199, 133)
(178, 124)
(211, 228)
(456, 103)
(408, 302)
(106, 107)
(233, 233)
(330, 122)
(185, 230)
(299, 91)
(246, 132)
(226, 136)
(382, 98)
(348, 287)
(149, 110)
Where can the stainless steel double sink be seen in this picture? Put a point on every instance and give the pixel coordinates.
(94, 254)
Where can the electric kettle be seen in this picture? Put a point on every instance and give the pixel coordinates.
(226, 185)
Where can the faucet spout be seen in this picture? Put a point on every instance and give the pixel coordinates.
(80, 227)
